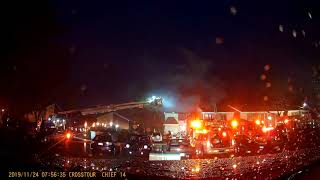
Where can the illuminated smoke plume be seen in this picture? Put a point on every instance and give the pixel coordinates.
(188, 86)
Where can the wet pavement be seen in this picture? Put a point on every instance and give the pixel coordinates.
(269, 166)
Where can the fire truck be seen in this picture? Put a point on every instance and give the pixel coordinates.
(213, 137)
(222, 137)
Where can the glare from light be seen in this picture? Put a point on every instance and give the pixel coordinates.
(117, 125)
(234, 123)
(258, 122)
(224, 134)
(208, 144)
(305, 104)
(68, 135)
(196, 124)
(269, 118)
(145, 147)
(266, 129)
(111, 123)
(286, 121)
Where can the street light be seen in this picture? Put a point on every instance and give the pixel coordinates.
(304, 104)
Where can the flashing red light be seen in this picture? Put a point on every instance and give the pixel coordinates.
(68, 135)
(224, 134)
(234, 123)
(196, 124)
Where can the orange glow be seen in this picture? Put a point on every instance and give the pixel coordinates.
(68, 135)
(196, 169)
(196, 124)
(286, 121)
(234, 123)
(258, 122)
(224, 134)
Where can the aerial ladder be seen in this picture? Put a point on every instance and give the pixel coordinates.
(151, 102)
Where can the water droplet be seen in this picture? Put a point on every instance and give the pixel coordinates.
(294, 33)
(281, 28)
(233, 10)
(267, 67)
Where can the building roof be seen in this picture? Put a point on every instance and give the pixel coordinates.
(171, 120)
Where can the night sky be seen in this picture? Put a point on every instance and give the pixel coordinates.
(80, 53)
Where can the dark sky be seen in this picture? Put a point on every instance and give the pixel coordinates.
(78, 52)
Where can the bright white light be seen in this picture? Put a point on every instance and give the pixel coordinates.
(145, 147)
(111, 123)
(281, 28)
(305, 104)
(294, 33)
(117, 125)
(98, 124)
(151, 99)
(48, 118)
(269, 118)
(85, 124)
(127, 145)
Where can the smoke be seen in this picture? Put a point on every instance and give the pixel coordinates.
(189, 85)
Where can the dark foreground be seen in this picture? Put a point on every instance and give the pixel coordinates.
(20, 153)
